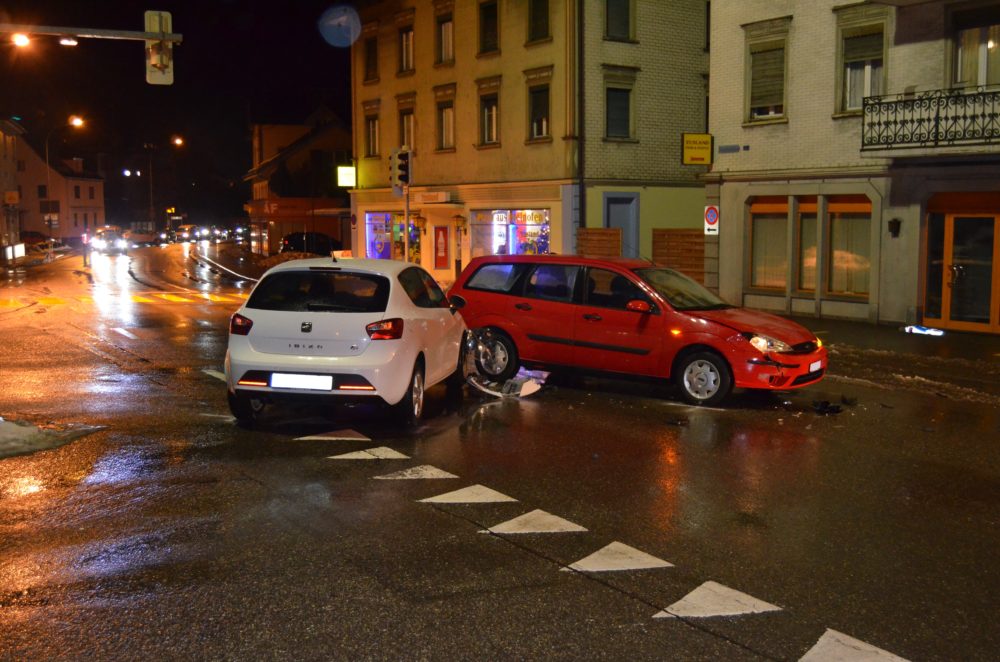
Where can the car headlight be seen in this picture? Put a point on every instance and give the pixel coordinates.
(121, 243)
(766, 344)
(100, 243)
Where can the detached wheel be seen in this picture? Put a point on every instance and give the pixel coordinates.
(496, 356)
(245, 409)
(704, 378)
(411, 407)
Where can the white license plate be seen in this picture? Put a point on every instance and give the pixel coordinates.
(311, 382)
(815, 365)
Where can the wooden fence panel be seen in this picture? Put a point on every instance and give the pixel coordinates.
(683, 250)
(600, 242)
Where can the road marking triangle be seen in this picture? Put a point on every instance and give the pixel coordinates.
(336, 435)
(537, 521)
(835, 645)
(714, 599)
(472, 494)
(417, 473)
(380, 453)
(214, 373)
(618, 556)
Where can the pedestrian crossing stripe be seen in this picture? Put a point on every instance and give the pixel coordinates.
(336, 435)
(221, 376)
(713, 599)
(617, 556)
(51, 301)
(138, 299)
(422, 472)
(216, 298)
(472, 494)
(537, 521)
(172, 297)
(835, 645)
(10, 303)
(379, 453)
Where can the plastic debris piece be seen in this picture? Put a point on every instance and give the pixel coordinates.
(923, 330)
(824, 407)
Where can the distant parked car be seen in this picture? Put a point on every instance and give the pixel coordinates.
(326, 330)
(309, 242)
(629, 317)
(32, 237)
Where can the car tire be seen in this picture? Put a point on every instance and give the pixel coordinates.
(497, 360)
(457, 378)
(704, 378)
(245, 409)
(410, 409)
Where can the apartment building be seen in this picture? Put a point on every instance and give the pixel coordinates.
(857, 165)
(59, 198)
(511, 108)
(10, 135)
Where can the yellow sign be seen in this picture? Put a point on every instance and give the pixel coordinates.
(696, 148)
(11, 197)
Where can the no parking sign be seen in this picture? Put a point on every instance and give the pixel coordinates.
(711, 219)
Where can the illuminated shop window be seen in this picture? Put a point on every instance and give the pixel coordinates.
(384, 237)
(510, 232)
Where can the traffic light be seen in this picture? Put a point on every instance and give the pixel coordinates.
(159, 52)
(403, 167)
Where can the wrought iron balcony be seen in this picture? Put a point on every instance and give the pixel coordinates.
(936, 119)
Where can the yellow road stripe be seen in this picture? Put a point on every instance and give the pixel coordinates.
(51, 301)
(217, 298)
(173, 297)
(138, 299)
(10, 303)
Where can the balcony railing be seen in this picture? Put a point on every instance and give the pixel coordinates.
(940, 118)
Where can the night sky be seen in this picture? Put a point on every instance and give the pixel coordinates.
(241, 62)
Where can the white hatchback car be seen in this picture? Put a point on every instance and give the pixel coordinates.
(333, 329)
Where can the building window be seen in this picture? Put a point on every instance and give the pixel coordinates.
(618, 103)
(488, 110)
(767, 82)
(371, 136)
(76, 191)
(446, 125)
(509, 232)
(768, 234)
(406, 49)
(538, 20)
(538, 111)
(977, 54)
(43, 192)
(91, 192)
(20, 165)
(862, 69)
(618, 20)
(806, 258)
(406, 137)
(489, 27)
(445, 39)
(371, 59)
(849, 254)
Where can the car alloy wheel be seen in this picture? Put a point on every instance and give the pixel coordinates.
(496, 356)
(704, 379)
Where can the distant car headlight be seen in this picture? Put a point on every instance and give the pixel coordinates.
(121, 243)
(100, 244)
(766, 344)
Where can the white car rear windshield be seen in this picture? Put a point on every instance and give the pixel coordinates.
(321, 291)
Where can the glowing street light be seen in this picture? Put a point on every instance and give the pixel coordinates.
(76, 122)
(68, 41)
(20, 40)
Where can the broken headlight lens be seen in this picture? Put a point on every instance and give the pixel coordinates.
(766, 344)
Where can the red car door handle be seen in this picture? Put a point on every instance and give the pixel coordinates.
(593, 317)
(523, 306)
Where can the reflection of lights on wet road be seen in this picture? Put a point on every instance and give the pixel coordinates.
(24, 486)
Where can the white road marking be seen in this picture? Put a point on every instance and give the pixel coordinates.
(336, 435)
(417, 473)
(618, 556)
(221, 376)
(473, 494)
(714, 599)
(380, 453)
(125, 332)
(835, 646)
(537, 521)
(226, 416)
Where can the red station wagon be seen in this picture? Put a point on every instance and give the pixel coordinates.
(629, 316)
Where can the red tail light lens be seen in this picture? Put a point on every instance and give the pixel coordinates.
(239, 325)
(386, 329)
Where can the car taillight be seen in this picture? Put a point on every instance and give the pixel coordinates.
(239, 325)
(386, 329)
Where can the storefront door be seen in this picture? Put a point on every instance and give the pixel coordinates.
(964, 280)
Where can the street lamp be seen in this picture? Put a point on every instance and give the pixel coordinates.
(76, 122)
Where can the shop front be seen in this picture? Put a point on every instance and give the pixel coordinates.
(510, 232)
(962, 263)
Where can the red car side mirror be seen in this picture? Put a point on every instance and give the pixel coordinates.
(638, 306)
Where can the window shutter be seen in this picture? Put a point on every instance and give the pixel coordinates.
(767, 72)
(863, 48)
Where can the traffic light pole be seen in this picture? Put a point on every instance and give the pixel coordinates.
(406, 222)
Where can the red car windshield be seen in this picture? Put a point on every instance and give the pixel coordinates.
(680, 291)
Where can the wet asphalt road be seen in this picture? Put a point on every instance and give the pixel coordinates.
(171, 533)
